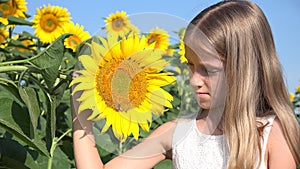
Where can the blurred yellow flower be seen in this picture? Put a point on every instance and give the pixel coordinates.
(122, 82)
(159, 37)
(29, 43)
(292, 97)
(78, 35)
(182, 51)
(3, 35)
(49, 22)
(118, 24)
(4, 21)
(169, 52)
(15, 8)
(298, 89)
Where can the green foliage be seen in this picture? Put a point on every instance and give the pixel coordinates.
(296, 102)
(35, 115)
(35, 118)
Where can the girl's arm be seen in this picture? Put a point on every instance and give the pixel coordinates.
(145, 155)
(279, 154)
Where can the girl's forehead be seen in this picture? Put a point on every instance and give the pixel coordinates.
(203, 57)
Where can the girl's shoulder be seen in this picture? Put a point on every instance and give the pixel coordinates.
(278, 149)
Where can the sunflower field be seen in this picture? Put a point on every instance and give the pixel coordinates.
(128, 94)
(35, 80)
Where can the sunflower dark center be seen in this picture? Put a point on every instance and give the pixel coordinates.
(121, 84)
(48, 22)
(118, 24)
(8, 8)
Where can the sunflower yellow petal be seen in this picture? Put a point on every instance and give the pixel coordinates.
(161, 82)
(168, 77)
(135, 130)
(88, 63)
(95, 115)
(160, 92)
(105, 127)
(86, 95)
(86, 74)
(145, 126)
(145, 106)
(117, 127)
(79, 79)
(100, 117)
(98, 52)
(86, 104)
(160, 100)
(83, 86)
(158, 65)
(125, 123)
(144, 57)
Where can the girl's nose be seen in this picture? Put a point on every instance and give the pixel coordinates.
(197, 79)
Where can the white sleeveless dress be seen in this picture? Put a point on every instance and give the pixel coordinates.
(192, 149)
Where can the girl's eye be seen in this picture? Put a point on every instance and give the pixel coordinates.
(212, 71)
(190, 64)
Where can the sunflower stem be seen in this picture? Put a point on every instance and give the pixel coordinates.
(8, 81)
(20, 61)
(53, 147)
(16, 62)
(120, 147)
(12, 68)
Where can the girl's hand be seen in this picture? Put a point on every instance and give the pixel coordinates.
(85, 150)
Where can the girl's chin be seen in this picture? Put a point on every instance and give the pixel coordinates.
(204, 106)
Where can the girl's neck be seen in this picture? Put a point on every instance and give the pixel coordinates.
(201, 121)
(202, 114)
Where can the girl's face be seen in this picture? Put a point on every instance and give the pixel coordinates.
(206, 78)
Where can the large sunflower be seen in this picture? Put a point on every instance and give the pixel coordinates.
(159, 37)
(78, 36)
(118, 24)
(122, 83)
(49, 22)
(15, 8)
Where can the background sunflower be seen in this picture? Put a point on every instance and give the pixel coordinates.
(118, 24)
(78, 35)
(15, 8)
(49, 22)
(159, 37)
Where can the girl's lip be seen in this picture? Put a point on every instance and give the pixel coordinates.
(202, 93)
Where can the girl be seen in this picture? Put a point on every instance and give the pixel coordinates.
(246, 120)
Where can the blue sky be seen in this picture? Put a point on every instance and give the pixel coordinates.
(284, 18)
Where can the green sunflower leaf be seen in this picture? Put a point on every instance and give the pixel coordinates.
(15, 155)
(12, 20)
(10, 91)
(60, 159)
(165, 164)
(50, 121)
(3, 1)
(30, 98)
(15, 120)
(49, 60)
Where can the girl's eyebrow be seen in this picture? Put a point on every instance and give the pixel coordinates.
(208, 64)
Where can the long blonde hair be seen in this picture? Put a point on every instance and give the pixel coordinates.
(240, 33)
